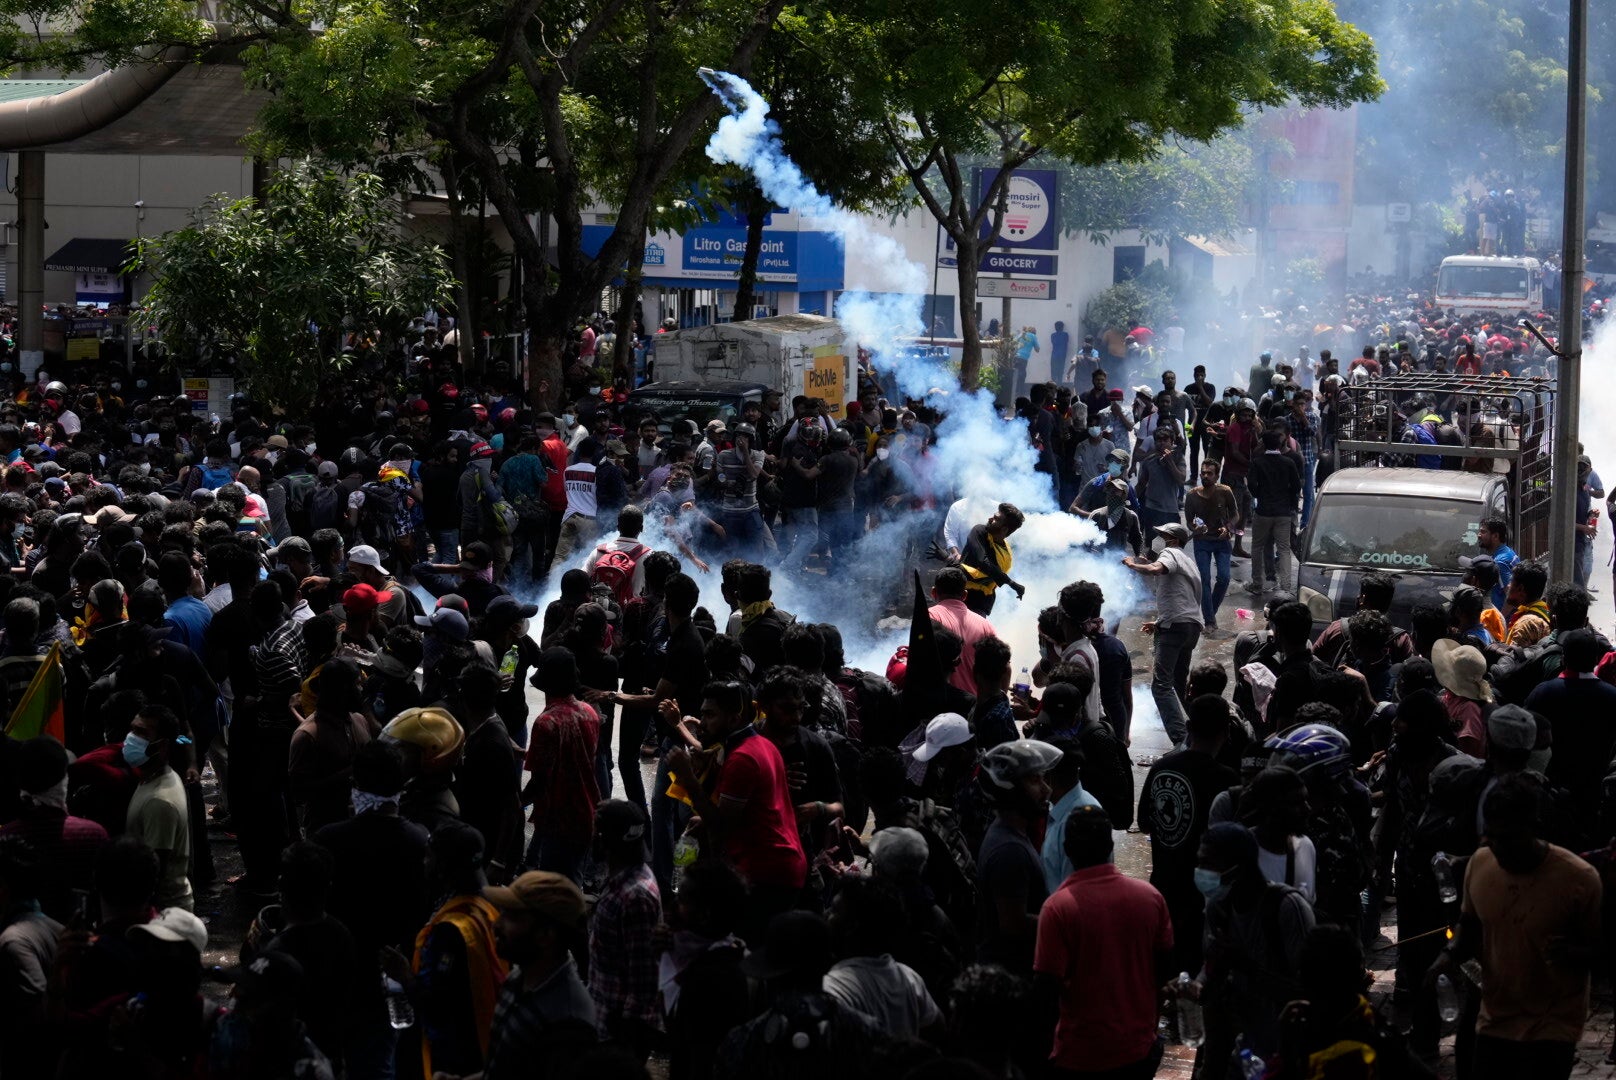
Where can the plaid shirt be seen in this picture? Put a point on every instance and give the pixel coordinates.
(280, 661)
(1305, 430)
(622, 952)
(561, 760)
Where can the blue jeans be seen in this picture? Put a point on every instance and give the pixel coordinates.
(556, 854)
(371, 1052)
(668, 820)
(1583, 568)
(1175, 646)
(445, 545)
(748, 536)
(1150, 517)
(802, 525)
(1212, 593)
(1309, 491)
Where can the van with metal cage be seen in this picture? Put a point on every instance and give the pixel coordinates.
(1380, 511)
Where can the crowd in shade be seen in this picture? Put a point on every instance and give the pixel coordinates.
(657, 820)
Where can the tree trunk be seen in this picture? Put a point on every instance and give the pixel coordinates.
(968, 250)
(461, 261)
(746, 287)
(633, 285)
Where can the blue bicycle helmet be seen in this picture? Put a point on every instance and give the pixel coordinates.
(1312, 750)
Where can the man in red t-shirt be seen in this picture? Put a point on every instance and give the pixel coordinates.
(1105, 948)
(748, 814)
(553, 451)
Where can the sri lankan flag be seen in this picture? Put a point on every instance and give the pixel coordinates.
(40, 712)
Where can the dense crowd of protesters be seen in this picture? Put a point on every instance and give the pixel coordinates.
(832, 871)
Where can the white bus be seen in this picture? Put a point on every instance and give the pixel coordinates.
(1489, 283)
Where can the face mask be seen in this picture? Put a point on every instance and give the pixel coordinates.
(309, 449)
(1094, 433)
(569, 418)
(1114, 469)
(140, 384)
(882, 454)
(1211, 883)
(1289, 395)
(145, 468)
(135, 750)
(116, 387)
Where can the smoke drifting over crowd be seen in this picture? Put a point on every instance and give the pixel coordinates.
(977, 454)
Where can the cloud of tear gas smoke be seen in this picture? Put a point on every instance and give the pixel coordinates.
(977, 454)
(1595, 407)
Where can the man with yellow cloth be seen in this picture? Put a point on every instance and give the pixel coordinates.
(986, 559)
(456, 974)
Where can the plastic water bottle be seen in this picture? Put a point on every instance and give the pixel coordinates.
(1447, 999)
(1472, 971)
(1252, 1067)
(1447, 889)
(1023, 683)
(400, 1014)
(1191, 1027)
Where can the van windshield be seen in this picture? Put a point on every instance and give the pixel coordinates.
(698, 410)
(1493, 282)
(1384, 532)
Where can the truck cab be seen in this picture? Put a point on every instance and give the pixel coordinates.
(696, 400)
(1489, 283)
(1419, 525)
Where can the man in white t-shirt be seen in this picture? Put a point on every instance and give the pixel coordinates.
(866, 917)
(630, 522)
(578, 525)
(1177, 626)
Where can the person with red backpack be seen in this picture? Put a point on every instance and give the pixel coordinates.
(617, 564)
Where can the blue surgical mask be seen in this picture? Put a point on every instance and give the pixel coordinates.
(1094, 433)
(569, 419)
(1114, 469)
(1211, 884)
(136, 751)
(1289, 394)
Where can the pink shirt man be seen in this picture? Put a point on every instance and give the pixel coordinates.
(970, 628)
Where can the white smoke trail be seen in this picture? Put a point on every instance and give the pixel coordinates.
(978, 455)
(1595, 406)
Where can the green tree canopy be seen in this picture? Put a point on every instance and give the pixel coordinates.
(277, 285)
(1090, 83)
(548, 107)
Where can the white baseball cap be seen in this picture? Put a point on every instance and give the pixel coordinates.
(948, 729)
(365, 555)
(177, 924)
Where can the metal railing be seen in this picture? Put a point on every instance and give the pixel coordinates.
(1487, 418)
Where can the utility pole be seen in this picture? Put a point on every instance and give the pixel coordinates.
(1568, 388)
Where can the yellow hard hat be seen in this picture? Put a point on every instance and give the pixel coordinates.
(435, 732)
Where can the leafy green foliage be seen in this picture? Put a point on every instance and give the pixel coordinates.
(1195, 189)
(1113, 307)
(276, 285)
(1090, 82)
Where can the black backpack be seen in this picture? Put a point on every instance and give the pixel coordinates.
(1108, 773)
(299, 487)
(1520, 671)
(378, 517)
(326, 505)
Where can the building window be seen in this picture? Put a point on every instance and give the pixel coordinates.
(1127, 262)
(1312, 193)
(937, 316)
